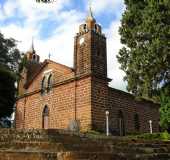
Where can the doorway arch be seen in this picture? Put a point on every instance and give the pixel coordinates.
(121, 124)
(45, 118)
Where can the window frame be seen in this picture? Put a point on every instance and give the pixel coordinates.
(49, 82)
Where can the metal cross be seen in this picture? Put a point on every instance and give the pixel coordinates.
(49, 56)
(90, 3)
(90, 7)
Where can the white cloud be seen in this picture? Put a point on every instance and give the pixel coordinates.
(1, 14)
(113, 46)
(9, 8)
(109, 6)
(36, 11)
(61, 44)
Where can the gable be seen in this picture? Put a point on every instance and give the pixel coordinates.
(58, 71)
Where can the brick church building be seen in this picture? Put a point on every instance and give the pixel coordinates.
(54, 96)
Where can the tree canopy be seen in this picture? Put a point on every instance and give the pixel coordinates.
(9, 63)
(145, 57)
(9, 54)
(7, 92)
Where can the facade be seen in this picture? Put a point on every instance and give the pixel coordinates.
(54, 96)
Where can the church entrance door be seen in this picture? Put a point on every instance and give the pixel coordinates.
(121, 125)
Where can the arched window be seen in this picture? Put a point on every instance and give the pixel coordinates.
(136, 122)
(34, 57)
(95, 27)
(45, 116)
(43, 85)
(121, 125)
(49, 83)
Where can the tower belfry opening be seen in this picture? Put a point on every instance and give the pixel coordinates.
(31, 54)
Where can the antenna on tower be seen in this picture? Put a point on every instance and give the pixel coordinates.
(49, 56)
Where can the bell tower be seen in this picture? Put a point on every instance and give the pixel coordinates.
(90, 55)
(31, 55)
(32, 62)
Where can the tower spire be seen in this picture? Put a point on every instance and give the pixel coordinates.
(32, 50)
(90, 12)
(90, 9)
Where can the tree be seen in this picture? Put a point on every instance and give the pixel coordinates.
(165, 107)
(9, 63)
(165, 112)
(145, 57)
(9, 54)
(7, 92)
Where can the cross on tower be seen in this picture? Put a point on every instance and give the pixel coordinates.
(90, 3)
(49, 56)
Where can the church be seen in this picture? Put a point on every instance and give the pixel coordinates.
(54, 96)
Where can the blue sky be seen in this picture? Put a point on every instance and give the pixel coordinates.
(54, 26)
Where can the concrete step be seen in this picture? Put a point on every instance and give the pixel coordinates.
(113, 156)
(62, 145)
(16, 155)
(86, 146)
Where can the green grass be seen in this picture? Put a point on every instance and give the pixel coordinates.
(163, 136)
(95, 134)
(155, 136)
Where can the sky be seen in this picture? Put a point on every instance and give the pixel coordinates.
(54, 25)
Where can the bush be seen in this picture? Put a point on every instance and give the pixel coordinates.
(165, 136)
(95, 134)
(155, 136)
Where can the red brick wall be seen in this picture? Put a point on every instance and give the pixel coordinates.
(83, 103)
(20, 107)
(61, 101)
(106, 98)
(99, 103)
(92, 98)
(119, 100)
(59, 73)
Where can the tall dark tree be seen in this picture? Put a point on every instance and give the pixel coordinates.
(9, 63)
(145, 57)
(7, 92)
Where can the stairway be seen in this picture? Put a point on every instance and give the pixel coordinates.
(63, 145)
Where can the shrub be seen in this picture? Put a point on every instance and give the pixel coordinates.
(155, 136)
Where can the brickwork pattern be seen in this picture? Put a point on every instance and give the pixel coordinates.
(64, 105)
(121, 101)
